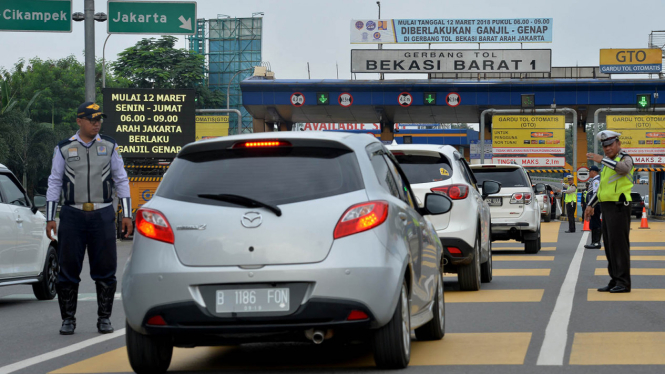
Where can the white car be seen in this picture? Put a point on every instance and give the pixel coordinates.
(27, 255)
(515, 212)
(465, 232)
(544, 201)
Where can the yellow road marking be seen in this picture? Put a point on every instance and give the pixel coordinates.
(549, 231)
(523, 258)
(512, 273)
(642, 248)
(633, 271)
(503, 348)
(460, 349)
(499, 249)
(635, 258)
(636, 294)
(655, 234)
(495, 296)
(618, 348)
(521, 272)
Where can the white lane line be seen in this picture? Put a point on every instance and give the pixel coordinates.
(59, 352)
(556, 334)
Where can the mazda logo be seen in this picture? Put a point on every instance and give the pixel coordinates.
(251, 220)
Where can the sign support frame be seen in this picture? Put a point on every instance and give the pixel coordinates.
(528, 111)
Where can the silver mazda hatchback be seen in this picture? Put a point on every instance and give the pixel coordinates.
(283, 237)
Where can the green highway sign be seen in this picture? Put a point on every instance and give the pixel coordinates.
(151, 17)
(36, 15)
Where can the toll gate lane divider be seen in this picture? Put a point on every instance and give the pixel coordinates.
(59, 352)
(556, 333)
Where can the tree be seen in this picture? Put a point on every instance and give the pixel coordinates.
(158, 64)
(38, 105)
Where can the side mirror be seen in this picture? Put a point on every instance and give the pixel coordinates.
(539, 189)
(436, 204)
(490, 188)
(40, 201)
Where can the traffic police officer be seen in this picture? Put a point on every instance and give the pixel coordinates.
(85, 169)
(570, 200)
(616, 183)
(594, 222)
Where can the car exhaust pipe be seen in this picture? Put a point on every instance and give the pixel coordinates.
(318, 336)
(444, 261)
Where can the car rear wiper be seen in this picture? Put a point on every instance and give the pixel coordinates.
(242, 200)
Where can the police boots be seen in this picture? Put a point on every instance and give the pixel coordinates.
(105, 296)
(67, 298)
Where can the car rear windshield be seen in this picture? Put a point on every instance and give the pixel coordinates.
(635, 196)
(273, 176)
(424, 169)
(508, 177)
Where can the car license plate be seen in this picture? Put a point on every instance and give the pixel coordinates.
(252, 300)
(495, 201)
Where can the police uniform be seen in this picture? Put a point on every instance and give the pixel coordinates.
(613, 196)
(570, 199)
(84, 175)
(594, 222)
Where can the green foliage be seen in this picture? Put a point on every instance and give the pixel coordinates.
(158, 64)
(38, 102)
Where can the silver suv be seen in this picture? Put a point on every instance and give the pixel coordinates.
(283, 237)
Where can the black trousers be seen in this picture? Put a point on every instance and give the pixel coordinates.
(94, 230)
(616, 235)
(594, 225)
(570, 210)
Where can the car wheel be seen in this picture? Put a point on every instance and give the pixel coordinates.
(468, 276)
(486, 270)
(548, 216)
(392, 342)
(435, 329)
(45, 289)
(532, 246)
(638, 216)
(148, 354)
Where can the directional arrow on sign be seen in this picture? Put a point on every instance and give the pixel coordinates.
(186, 23)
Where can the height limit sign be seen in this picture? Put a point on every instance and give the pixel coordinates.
(404, 99)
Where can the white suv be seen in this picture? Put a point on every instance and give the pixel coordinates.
(27, 255)
(465, 232)
(515, 211)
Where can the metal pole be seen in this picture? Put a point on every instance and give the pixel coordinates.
(236, 111)
(89, 12)
(104, 62)
(381, 76)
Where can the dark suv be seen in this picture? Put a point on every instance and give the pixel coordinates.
(637, 205)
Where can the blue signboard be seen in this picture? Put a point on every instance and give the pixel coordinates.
(397, 31)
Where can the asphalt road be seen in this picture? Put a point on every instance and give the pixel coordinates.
(540, 314)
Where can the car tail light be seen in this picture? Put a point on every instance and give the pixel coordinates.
(152, 224)
(528, 197)
(454, 251)
(361, 217)
(156, 321)
(454, 191)
(268, 143)
(357, 315)
(521, 198)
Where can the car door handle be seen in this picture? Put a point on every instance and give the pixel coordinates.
(403, 216)
(19, 220)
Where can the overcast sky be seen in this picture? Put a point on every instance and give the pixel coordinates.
(314, 31)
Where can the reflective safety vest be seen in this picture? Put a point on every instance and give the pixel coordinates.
(612, 185)
(584, 196)
(570, 197)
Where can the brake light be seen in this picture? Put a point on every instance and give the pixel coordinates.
(262, 144)
(454, 251)
(454, 191)
(361, 217)
(521, 198)
(152, 224)
(156, 321)
(357, 315)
